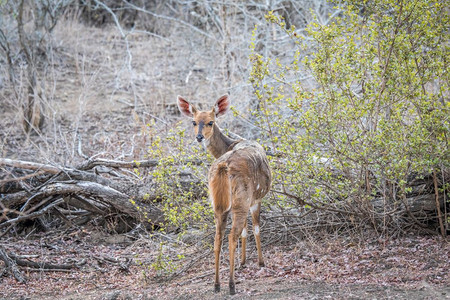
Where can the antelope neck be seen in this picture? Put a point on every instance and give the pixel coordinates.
(219, 143)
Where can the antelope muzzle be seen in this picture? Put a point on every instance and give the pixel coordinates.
(200, 136)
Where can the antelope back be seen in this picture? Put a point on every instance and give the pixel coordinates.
(248, 169)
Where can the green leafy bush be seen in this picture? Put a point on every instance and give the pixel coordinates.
(179, 189)
(180, 180)
(359, 109)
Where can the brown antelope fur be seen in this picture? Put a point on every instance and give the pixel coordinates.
(238, 179)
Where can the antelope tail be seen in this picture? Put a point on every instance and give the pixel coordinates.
(220, 187)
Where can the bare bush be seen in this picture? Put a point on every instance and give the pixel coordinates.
(24, 40)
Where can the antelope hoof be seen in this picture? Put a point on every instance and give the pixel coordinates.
(216, 287)
(261, 264)
(232, 288)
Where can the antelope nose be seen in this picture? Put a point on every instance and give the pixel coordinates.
(199, 137)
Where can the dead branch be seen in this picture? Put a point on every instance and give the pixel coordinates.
(41, 265)
(12, 265)
(150, 163)
(122, 264)
(13, 261)
(89, 164)
(31, 166)
(32, 215)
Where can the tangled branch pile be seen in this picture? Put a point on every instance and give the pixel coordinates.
(75, 196)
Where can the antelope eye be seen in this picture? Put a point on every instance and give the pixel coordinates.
(194, 123)
(211, 123)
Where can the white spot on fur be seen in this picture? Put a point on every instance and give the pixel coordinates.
(244, 233)
(257, 187)
(253, 208)
(256, 230)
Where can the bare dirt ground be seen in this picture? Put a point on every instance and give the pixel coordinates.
(119, 267)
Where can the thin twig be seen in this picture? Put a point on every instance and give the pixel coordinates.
(32, 215)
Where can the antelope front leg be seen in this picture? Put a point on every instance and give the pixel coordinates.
(221, 222)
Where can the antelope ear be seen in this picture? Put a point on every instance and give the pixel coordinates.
(222, 105)
(185, 107)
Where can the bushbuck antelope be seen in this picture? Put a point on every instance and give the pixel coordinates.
(238, 179)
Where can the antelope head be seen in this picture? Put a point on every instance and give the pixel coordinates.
(204, 121)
